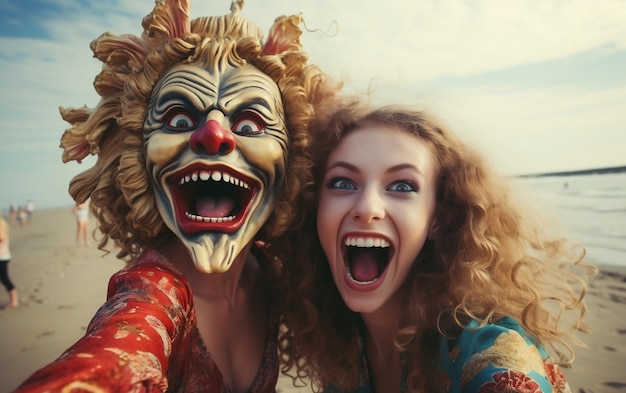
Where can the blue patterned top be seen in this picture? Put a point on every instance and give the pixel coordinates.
(497, 357)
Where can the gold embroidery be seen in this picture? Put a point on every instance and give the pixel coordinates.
(509, 351)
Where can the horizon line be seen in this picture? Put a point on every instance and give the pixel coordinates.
(602, 170)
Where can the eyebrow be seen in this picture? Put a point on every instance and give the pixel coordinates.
(343, 164)
(258, 87)
(353, 168)
(203, 93)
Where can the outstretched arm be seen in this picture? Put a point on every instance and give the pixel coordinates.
(128, 342)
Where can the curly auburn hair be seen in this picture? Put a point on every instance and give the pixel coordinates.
(118, 184)
(488, 258)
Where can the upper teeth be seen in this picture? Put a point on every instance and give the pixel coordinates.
(366, 242)
(205, 175)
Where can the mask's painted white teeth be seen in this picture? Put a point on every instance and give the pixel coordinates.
(366, 242)
(205, 175)
(209, 219)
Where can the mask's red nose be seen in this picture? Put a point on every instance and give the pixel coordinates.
(212, 139)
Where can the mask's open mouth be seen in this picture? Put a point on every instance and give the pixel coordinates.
(214, 198)
(366, 258)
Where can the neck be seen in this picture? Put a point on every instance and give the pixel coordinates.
(382, 325)
(211, 285)
(380, 335)
(385, 365)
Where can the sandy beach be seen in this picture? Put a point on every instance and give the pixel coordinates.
(62, 285)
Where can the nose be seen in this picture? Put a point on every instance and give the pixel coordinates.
(369, 206)
(212, 139)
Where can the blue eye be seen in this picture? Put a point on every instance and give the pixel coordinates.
(403, 186)
(179, 120)
(248, 124)
(341, 183)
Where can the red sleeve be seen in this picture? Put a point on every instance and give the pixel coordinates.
(129, 340)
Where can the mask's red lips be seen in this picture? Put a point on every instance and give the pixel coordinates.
(211, 198)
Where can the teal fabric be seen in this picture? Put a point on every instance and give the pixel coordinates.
(497, 357)
(478, 349)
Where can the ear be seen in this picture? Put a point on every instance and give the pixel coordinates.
(433, 229)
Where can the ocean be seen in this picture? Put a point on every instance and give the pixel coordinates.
(591, 209)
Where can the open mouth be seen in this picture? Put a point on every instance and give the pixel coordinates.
(366, 258)
(214, 198)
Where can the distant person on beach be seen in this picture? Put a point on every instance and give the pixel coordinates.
(5, 258)
(12, 214)
(201, 134)
(81, 212)
(30, 210)
(22, 216)
(417, 271)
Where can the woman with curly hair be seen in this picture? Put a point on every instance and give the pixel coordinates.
(200, 135)
(417, 271)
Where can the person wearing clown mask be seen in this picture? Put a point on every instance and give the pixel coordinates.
(200, 134)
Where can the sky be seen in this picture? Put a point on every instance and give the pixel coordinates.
(535, 85)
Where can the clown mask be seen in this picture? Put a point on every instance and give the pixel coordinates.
(216, 150)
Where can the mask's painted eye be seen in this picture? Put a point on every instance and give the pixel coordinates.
(248, 124)
(178, 120)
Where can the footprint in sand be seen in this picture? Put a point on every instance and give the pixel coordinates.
(615, 385)
(38, 300)
(44, 334)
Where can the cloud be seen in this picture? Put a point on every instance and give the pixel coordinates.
(426, 40)
(535, 84)
(539, 129)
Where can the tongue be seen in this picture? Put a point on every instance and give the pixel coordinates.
(211, 207)
(363, 264)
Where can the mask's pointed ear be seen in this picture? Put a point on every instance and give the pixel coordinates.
(284, 36)
(169, 19)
